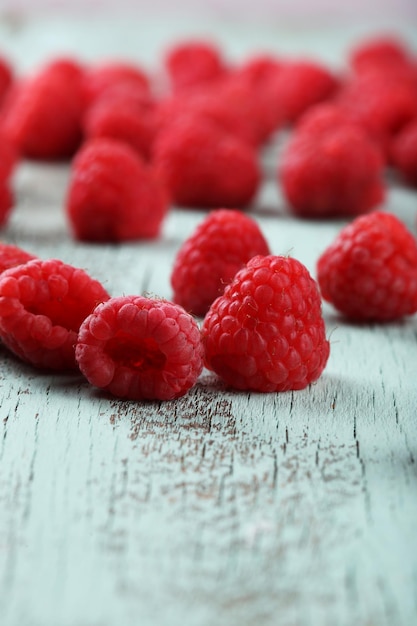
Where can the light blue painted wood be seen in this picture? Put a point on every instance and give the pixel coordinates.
(297, 509)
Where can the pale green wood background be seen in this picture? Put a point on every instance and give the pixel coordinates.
(227, 508)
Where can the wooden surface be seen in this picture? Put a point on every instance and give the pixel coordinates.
(228, 508)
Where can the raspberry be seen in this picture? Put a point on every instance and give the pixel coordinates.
(369, 273)
(404, 153)
(140, 348)
(11, 255)
(301, 84)
(42, 304)
(42, 113)
(266, 332)
(203, 166)
(382, 102)
(208, 105)
(333, 172)
(193, 63)
(255, 102)
(105, 77)
(383, 51)
(208, 260)
(125, 114)
(112, 195)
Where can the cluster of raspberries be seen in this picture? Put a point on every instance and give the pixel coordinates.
(192, 139)
(190, 134)
(262, 327)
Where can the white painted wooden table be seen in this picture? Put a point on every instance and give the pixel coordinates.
(228, 508)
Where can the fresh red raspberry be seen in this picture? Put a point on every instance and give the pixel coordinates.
(404, 153)
(266, 332)
(333, 172)
(42, 113)
(208, 260)
(107, 76)
(382, 102)
(384, 51)
(203, 166)
(369, 273)
(140, 348)
(11, 255)
(301, 84)
(194, 63)
(126, 114)
(260, 69)
(256, 103)
(206, 104)
(42, 304)
(112, 195)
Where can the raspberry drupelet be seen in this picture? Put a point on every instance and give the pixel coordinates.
(208, 260)
(140, 348)
(369, 272)
(42, 304)
(266, 332)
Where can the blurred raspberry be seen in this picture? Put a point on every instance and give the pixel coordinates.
(111, 75)
(113, 195)
(140, 348)
(331, 170)
(42, 304)
(301, 84)
(382, 102)
(125, 114)
(194, 63)
(266, 332)
(203, 166)
(383, 51)
(11, 255)
(208, 260)
(42, 113)
(369, 273)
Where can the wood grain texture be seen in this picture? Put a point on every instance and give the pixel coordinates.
(297, 509)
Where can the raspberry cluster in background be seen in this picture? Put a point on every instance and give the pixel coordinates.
(192, 136)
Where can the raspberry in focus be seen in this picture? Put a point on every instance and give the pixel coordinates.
(140, 348)
(266, 332)
(113, 195)
(331, 172)
(42, 305)
(204, 166)
(208, 260)
(369, 273)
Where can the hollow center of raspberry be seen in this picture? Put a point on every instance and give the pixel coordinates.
(138, 354)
